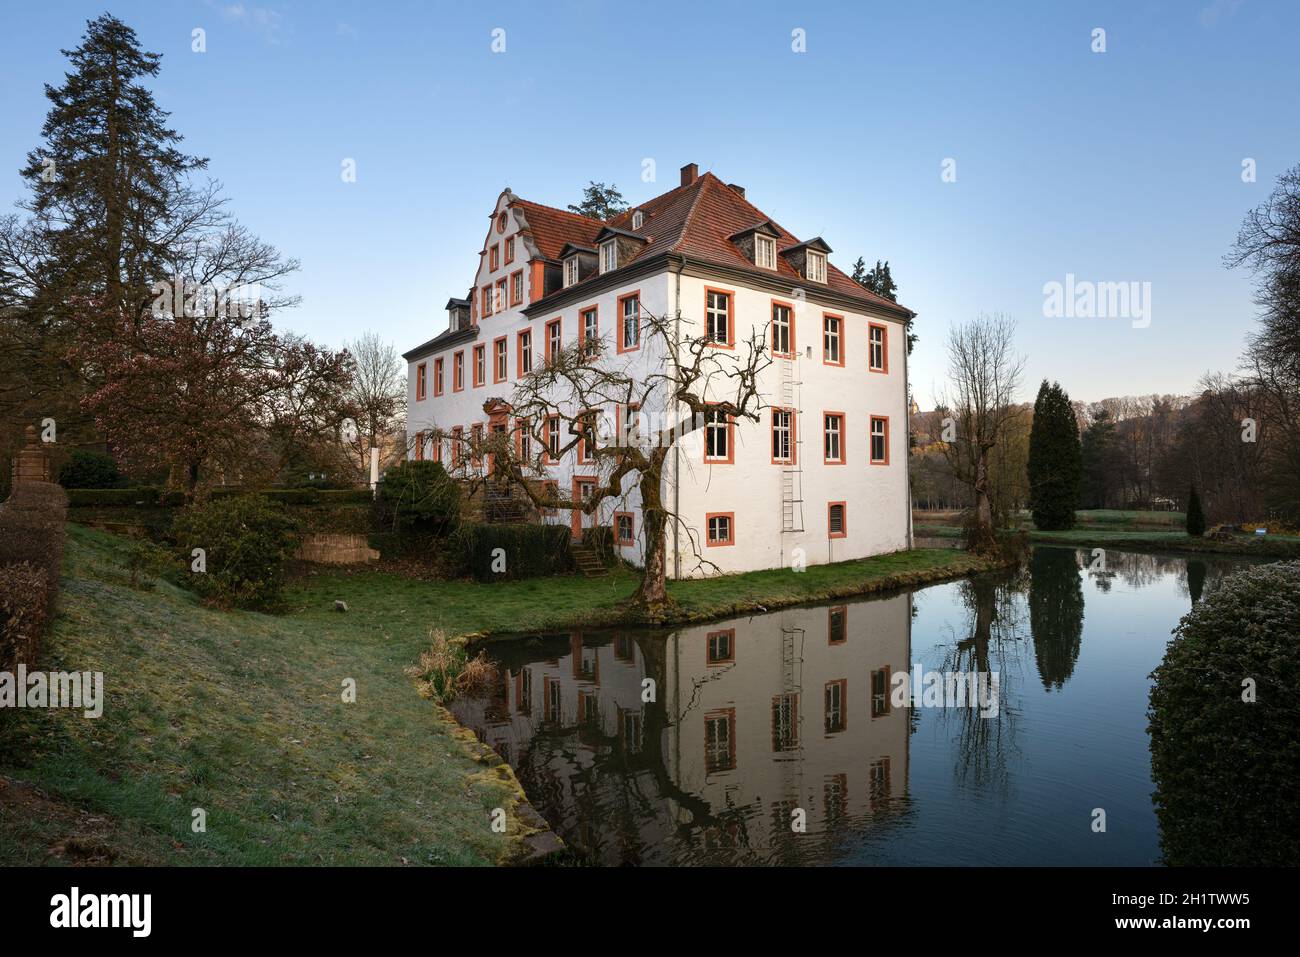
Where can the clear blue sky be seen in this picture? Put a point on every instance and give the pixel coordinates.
(1115, 166)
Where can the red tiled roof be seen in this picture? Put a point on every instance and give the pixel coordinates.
(551, 228)
(695, 220)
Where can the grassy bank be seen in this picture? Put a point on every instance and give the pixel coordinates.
(546, 604)
(239, 714)
(1143, 537)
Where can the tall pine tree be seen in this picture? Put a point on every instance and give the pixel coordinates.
(1054, 459)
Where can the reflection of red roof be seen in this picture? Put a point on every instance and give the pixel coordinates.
(695, 220)
(551, 228)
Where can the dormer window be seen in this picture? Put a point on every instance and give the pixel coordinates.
(815, 267)
(608, 256)
(571, 270)
(764, 251)
(637, 219)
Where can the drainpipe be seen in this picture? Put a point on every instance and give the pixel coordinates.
(677, 466)
(907, 459)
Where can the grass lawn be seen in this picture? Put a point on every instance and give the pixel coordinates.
(239, 714)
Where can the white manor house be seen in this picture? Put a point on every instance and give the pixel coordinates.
(822, 477)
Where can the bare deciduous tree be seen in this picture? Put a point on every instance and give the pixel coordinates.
(378, 398)
(564, 407)
(984, 374)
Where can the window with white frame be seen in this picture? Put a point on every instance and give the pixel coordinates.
(525, 352)
(717, 436)
(720, 530)
(500, 356)
(517, 288)
(876, 348)
(637, 219)
(590, 332)
(525, 441)
(782, 435)
(831, 346)
(554, 334)
(834, 436)
(782, 340)
(764, 251)
(553, 438)
(623, 528)
(815, 267)
(631, 322)
(571, 270)
(717, 316)
(608, 256)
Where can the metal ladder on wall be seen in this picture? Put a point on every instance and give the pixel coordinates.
(792, 475)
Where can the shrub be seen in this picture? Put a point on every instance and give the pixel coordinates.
(418, 497)
(89, 470)
(1226, 770)
(446, 670)
(31, 559)
(1195, 517)
(527, 551)
(246, 540)
(145, 561)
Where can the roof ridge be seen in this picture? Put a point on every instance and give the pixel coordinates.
(563, 212)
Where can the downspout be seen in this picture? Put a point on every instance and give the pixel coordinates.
(677, 468)
(907, 459)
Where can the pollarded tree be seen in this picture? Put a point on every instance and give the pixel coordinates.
(1054, 459)
(677, 383)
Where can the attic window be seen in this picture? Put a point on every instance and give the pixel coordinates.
(765, 252)
(815, 268)
(637, 219)
(570, 270)
(608, 256)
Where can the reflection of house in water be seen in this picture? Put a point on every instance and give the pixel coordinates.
(752, 719)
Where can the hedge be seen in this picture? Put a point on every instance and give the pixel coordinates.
(31, 559)
(152, 495)
(245, 541)
(527, 551)
(1225, 730)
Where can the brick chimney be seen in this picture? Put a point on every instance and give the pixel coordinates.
(690, 173)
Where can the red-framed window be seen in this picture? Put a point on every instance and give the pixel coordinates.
(516, 287)
(524, 361)
(457, 446)
(552, 439)
(421, 376)
(880, 692)
(510, 250)
(719, 317)
(437, 377)
(476, 443)
(629, 322)
(500, 351)
(480, 365)
(877, 347)
(832, 339)
(837, 624)
(589, 330)
(833, 436)
(524, 441)
(719, 529)
(880, 440)
(720, 647)
(500, 302)
(419, 446)
(719, 438)
(837, 520)
(458, 371)
(624, 528)
(783, 343)
(783, 436)
(587, 437)
(554, 338)
(486, 308)
(494, 258)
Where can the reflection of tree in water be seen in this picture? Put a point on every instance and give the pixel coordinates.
(1055, 613)
(1195, 579)
(992, 643)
